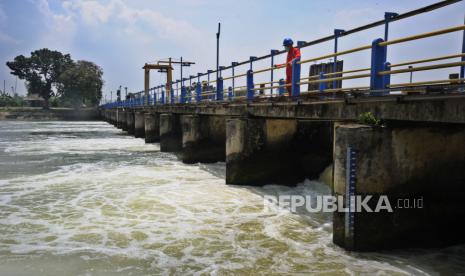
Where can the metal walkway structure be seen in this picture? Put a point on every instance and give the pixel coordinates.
(379, 73)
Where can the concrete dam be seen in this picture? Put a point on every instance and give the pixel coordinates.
(419, 152)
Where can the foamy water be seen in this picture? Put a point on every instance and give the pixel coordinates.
(82, 198)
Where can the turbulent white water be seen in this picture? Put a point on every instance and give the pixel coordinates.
(82, 198)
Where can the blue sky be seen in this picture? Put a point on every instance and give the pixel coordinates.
(121, 36)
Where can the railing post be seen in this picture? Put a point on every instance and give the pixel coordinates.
(273, 53)
(252, 59)
(250, 86)
(171, 94)
(198, 92)
(386, 78)
(337, 33)
(322, 85)
(387, 17)
(462, 68)
(378, 59)
(183, 94)
(295, 87)
(233, 64)
(281, 89)
(230, 93)
(219, 89)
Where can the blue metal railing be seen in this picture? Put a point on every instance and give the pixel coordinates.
(379, 71)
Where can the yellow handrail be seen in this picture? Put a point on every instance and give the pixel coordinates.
(426, 60)
(425, 83)
(233, 77)
(422, 68)
(424, 35)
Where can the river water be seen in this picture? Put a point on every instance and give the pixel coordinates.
(83, 198)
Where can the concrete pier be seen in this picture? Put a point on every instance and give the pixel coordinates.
(120, 118)
(130, 121)
(203, 139)
(152, 127)
(410, 165)
(265, 151)
(170, 132)
(139, 124)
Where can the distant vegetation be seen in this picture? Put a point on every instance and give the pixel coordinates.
(58, 79)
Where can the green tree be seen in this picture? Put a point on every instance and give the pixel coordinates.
(41, 70)
(81, 84)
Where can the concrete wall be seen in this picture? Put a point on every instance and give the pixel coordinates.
(152, 127)
(130, 121)
(170, 132)
(139, 124)
(265, 151)
(403, 162)
(203, 138)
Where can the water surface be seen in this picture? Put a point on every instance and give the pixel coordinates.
(83, 198)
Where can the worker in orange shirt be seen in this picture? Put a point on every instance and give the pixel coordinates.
(292, 53)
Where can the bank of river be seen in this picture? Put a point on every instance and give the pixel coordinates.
(82, 198)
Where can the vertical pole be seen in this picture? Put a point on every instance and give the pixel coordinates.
(171, 94)
(387, 18)
(147, 84)
(162, 96)
(252, 59)
(208, 84)
(233, 78)
(155, 96)
(337, 33)
(281, 89)
(182, 81)
(462, 68)
(295, 87)
(198, 92)
(218, 49)
(250, 86)
(219, 89)
(386, 78)
(183, 94)
(230, 94)
(169, 79)
(411, 73)
(273, 53)
(322, 85)
(377, 64)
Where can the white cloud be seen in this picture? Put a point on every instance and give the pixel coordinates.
(61, 28)
(94, 13)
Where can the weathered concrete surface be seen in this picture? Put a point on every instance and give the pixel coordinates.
(33, 113)
(444, 109)
(139, 124)
(152, 127)
(130, 121)
(265, 151)
(203, 139)
(170, 133)
(120, 118)
(403, 162)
